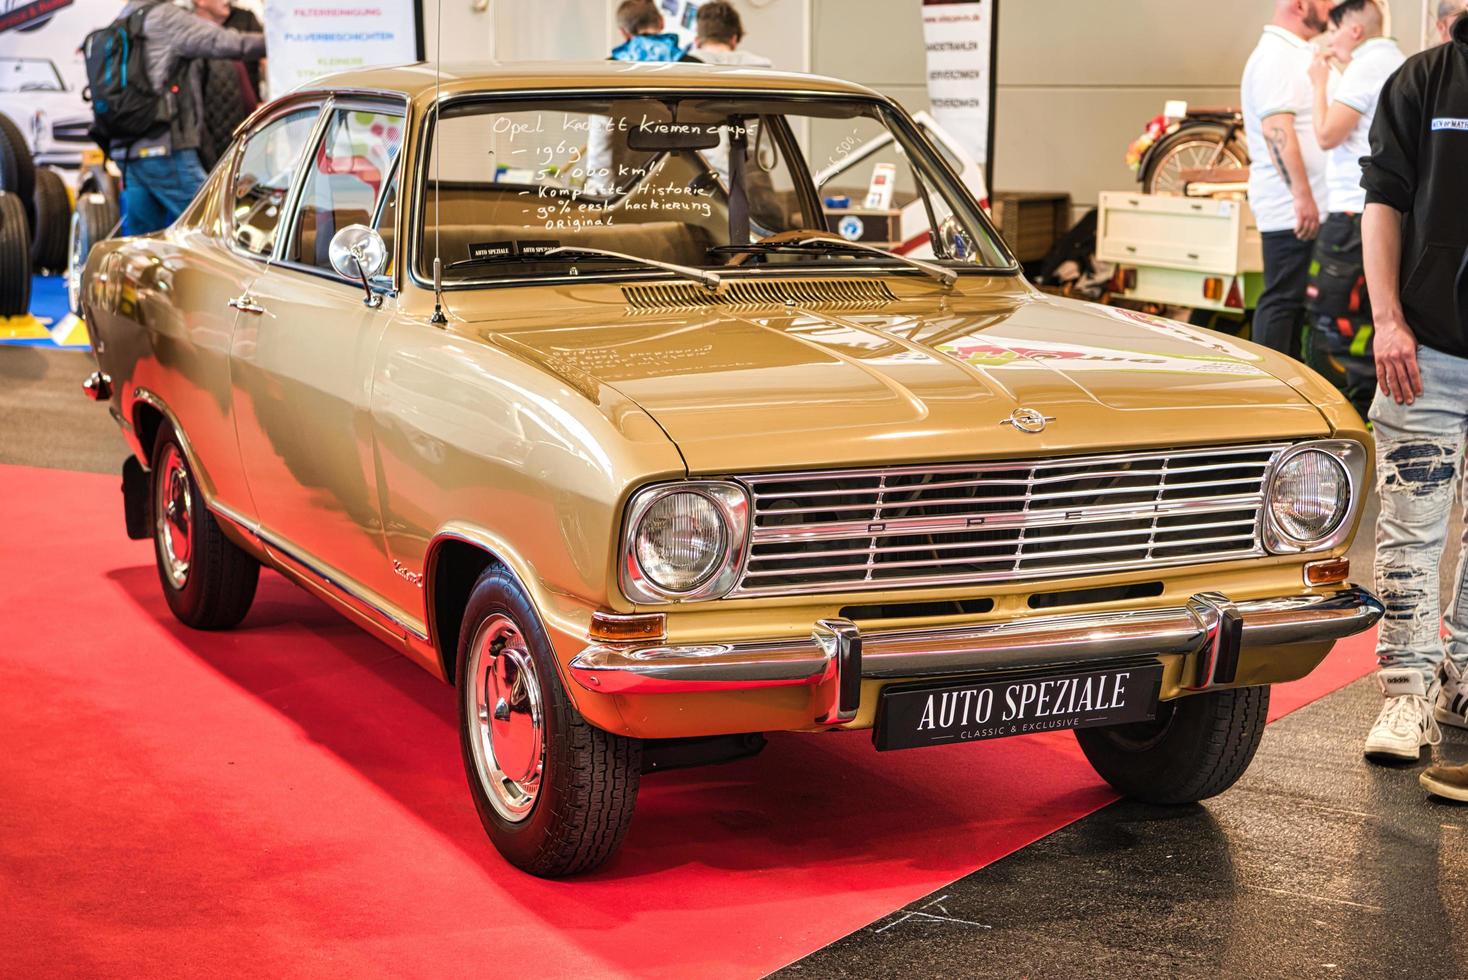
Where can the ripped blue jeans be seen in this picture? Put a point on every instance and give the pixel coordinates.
(1419, 460)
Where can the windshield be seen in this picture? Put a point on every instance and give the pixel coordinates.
(706, 181)
(29, 75)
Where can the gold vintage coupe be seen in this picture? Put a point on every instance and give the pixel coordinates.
(610, 395)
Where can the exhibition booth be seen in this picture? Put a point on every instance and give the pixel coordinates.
(687, 488)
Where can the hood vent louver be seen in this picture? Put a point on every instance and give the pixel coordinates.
(756, 293)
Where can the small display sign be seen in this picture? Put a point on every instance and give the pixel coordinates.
(997, 706)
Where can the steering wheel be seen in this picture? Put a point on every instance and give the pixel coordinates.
(794, 235)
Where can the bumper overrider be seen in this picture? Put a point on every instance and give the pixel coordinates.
(1209, 629)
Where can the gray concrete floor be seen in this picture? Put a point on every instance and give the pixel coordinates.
(1316, 863)
(45, 420)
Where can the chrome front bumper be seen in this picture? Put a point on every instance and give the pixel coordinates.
(838, 656)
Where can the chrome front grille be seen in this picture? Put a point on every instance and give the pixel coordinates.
(851, 530)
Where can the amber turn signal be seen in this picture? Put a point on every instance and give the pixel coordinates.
(618, 628)
(1331, 571)
(1213, 288)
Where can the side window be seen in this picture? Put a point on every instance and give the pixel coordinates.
(268, 163)
(387, 220)
(345, 179)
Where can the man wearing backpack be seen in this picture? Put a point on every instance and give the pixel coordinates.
(156, 139)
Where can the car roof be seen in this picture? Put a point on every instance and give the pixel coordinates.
(418, 81)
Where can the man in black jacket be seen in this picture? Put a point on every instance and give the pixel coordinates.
(1415, 246)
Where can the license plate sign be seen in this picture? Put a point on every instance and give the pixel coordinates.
(997, 706)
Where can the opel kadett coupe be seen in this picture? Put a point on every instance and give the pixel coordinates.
(593, 390)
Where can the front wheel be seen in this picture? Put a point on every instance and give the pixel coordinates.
(1196, 747)
(554, 793)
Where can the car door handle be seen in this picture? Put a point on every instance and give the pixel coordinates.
(246, 304)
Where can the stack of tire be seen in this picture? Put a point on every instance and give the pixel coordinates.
(17, 206)
(96, 217)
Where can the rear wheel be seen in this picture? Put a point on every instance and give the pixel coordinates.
(15, 257)
(53, 222)
(554, 793)
(207, 580)
(1197, 747)
(1190, 148)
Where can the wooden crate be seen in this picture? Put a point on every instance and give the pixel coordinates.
(1031, 221)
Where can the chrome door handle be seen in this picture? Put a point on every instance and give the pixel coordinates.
(246, 304)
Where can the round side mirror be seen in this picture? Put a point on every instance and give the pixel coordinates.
(357, 252)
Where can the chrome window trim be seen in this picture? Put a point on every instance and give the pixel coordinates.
(733, 503)
(293, 200)
(272, 113)
(1352, 456)
(422, 147)
(1020, 519)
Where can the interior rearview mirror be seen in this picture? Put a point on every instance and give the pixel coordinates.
(655, 136)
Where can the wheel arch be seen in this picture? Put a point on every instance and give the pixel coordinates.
(455, 560)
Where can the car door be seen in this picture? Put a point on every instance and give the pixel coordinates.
(302, 364)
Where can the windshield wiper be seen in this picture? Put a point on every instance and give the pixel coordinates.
(709, 279)
(820, 242)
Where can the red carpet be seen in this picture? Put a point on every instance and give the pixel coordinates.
(287, 799)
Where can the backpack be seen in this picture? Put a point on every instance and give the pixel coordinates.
(124, 105)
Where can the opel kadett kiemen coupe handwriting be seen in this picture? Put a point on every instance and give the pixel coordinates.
(596, 392)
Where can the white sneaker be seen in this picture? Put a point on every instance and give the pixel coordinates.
(1451, 705)
(1406, 722)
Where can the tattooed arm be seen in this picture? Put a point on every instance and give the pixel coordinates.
(1284, 150)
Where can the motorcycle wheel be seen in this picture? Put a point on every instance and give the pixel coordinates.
(1190, 148)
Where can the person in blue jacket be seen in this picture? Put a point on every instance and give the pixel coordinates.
(643, 39)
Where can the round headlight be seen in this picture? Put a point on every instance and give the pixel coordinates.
(681, 541)
(1310, 496)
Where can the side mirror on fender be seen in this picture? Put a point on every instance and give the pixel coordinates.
(358, 252)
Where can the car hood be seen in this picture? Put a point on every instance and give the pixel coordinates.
(779, 388)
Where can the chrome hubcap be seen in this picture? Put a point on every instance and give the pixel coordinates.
(507, 717)
(173, 517)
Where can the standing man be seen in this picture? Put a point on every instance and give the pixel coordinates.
(1339, 308)
(1287, 167)
(1448, 12)
(161, 172)
(718, 32)
(230, 89)
(1415, 243)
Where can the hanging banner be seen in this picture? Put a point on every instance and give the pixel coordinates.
(959, 37)
(310, 38)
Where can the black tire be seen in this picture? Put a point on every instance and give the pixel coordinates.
(98, 180)
(1197, 747)
(15, 257)
(587, 778)
(53, 222)
(1159, 177)
(17, 168)
(219, 580)
(93, 220)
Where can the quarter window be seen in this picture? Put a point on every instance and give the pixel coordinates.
(345, 180)
(267, 165)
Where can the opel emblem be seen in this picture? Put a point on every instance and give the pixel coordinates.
(1028, 420)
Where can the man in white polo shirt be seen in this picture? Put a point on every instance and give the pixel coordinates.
(1286, 166)
(1339, 308)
